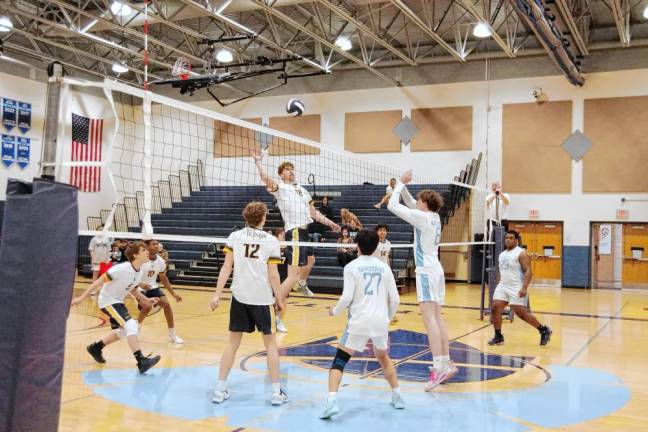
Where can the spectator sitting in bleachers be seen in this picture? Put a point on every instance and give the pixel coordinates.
(388, 192)
(345, 254)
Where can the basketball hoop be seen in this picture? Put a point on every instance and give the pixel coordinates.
(181, 68)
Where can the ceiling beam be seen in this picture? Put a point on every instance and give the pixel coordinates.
(621, 13)
(479, 16)
(568, 18)
(288, 20)
(414, 18)
(367, 31)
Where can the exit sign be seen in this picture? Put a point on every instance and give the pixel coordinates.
(622, 214)
(534, 214)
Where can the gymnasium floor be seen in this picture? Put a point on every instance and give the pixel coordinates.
(591, 377)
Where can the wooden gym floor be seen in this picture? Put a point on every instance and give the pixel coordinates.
(592, 376)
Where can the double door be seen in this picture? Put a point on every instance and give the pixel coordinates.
(543, 242)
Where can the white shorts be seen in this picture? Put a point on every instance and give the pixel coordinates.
(430, 286)
(510, 295)
(358, 343)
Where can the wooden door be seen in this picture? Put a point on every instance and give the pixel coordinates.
(543, 243)
(635, 254)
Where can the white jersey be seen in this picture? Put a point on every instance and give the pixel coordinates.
(251, 284)
(371, 296)
(382, 251)
(389, 190)
(151, 269)
(497, 209)
(123, 277)
(511, 273)
(294, 203)
(101, 247)
(427, 229)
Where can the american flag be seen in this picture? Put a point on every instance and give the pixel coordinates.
(87, 136)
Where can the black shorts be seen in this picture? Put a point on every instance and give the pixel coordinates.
(298, 256)
(154, 292)
(118, 315)
(244, 318)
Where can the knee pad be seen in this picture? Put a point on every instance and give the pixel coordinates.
(131, 327)
(120, 332)
(340, 360)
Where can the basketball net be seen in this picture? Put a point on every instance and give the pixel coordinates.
(181, 68)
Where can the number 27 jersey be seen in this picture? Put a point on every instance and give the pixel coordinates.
(253, 250)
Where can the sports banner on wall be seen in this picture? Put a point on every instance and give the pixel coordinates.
(22, 151)
(8, 150)
(605, 239)
(24, 116)
(9, 113)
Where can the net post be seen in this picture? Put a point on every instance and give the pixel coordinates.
(52, 120)
(147, 226)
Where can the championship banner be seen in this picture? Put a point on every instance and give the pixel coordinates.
(22, 151)
(9, 113)
(24, 116)
(8, 150)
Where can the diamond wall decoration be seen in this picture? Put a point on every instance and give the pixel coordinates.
(576, 145)
(405, 130)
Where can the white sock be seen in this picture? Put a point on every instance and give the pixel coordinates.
(276, 388)
(332, 395)
(221, 386)
(172, 331)
(302, 282)
(396, 391)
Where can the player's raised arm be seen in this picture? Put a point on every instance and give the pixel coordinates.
(270, 184)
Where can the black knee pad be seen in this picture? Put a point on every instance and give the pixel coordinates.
(340, 360)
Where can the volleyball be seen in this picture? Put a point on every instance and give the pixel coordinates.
(295, 107)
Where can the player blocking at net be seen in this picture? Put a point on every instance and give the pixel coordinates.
(371, 296)
(253, 255)
(423, 215)
(297, 210)
(115, 284)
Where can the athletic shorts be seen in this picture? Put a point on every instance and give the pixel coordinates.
(298, 256)
(430, 287)
(358, 343)
(118, 314)
(154, 292)
(510, 295)
(245, 318)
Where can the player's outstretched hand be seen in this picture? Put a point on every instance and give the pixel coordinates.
(406, 177)
(335, 227)
(213, 304)
(153, 301)
(77, 300)
(281, 306)
(257, 155)
(177, 298)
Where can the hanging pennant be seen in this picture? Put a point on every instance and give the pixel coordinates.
(24, 116)
(22, 151)
(8, 113)
(8, 150)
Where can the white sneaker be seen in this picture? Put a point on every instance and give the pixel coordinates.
(175, 338)
(437, 376)
(281, 328)
(279, 398)
(397, 401)
(305, 290)
(331, 408)
(220, 396)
